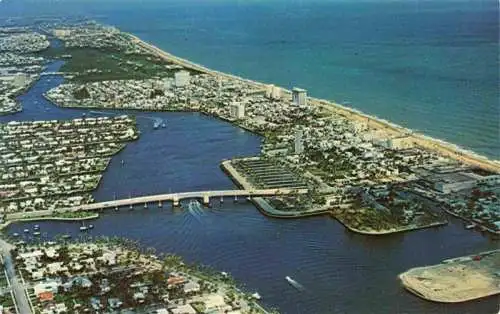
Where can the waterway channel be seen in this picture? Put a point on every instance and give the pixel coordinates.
(341, 272)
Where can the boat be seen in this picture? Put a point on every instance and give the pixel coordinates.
(26, 231)
(15, 234)
(36, 233)
(294, 283)
(91, 227)
(470, 226)
(83, 227)
(156, 124)
(66, 236)
(36, 227)
(163, 124)
(256, 296)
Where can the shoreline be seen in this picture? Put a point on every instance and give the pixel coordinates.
(48, 218)
(387, 232)
(439, 146)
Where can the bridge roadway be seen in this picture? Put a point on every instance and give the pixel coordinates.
(176, 197)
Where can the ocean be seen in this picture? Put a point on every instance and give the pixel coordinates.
(431, 66)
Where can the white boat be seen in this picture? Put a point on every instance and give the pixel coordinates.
(256, 296)
(26, 231)
(83, 227)
(294, 283)
(15, 234)
(36, 227)
(91, 227)
(470, 226)
(36, 233)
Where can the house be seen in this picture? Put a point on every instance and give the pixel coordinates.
(139, 297)
(46, 296)
(191, 287)
(96, 303)
(114, 303)
(183, 309)
(214, 302)
(47, 286)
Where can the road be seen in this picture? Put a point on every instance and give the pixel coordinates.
(16, 285)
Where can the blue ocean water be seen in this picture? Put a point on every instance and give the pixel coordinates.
(428, 65)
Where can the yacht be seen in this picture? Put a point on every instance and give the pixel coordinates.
(26, 231)
(36, 233)
(36, 227)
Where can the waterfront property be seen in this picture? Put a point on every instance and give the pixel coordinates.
(264, 174)
(107, 276)
(49, 164)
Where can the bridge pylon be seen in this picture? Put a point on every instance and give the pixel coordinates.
(175, 200)
(206, 199)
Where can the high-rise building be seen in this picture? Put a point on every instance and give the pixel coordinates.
(237, 110)
(299, 96)
(181, 78)
(298, 142)
(273, 92)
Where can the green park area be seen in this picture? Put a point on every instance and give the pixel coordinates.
(90, 64)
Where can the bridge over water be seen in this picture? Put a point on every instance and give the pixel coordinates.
(177, 197)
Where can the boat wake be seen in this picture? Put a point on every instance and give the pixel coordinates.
(295, 284)
(195, 209)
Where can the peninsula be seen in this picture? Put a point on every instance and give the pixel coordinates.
(456, 280)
